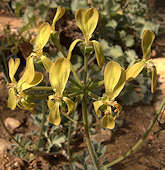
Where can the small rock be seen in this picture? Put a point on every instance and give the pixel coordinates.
(18, 163)
(12, 123)
(4, 145)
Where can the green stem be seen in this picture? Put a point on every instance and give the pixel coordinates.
(88, 141)
(75, 82)
(75, 94)
(41, 88)
(85, 117)
(140, 141)
(96, 85)
(42, 124)
(85, 70)
(93, 95)
(41, 96)
(76, 75)
(64, 114)
(69, 138)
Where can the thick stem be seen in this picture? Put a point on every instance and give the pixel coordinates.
(88, 141)
(85, 70)
(140, 141)
(85, 117)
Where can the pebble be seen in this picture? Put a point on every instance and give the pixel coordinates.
(12, 123)
(4, 145)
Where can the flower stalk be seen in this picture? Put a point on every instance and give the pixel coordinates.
(140, 141)
(42, 124)
(85, 117)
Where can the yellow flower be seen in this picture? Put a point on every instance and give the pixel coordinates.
(134, 70)
(43, 35)
(114, 81)
(29, 79)
(58, 76)
(44, 31)
(87, 20)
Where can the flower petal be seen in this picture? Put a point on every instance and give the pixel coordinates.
(59, 74)
(99, 53)
(59, 13)
(120, 84)
(112, 75)
(42, 36)
(56, 40)
(37, 79)
(108, 121)
(87, 21)
(147, 40)
(72, 47)
(24, 105)
(70, 104)
(29, 73)
(46, 62)
(12, 99)
(13, 66)
(97, 105)
(133, 71)
(54, 114)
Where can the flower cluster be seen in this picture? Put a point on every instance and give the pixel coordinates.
(29, 79)
(115, 76)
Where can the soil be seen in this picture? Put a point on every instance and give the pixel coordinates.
(151, 155)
